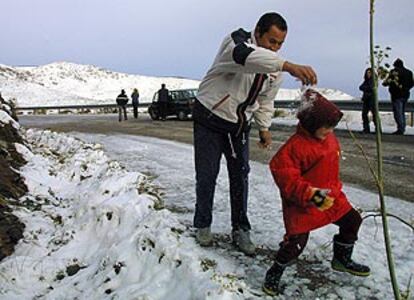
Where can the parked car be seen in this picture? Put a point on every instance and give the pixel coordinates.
(180, 104)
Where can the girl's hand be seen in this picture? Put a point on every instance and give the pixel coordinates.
(321, 199)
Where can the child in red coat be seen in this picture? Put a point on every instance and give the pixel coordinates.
(306, 170)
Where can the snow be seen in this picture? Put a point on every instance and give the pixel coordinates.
(296, 94)
(6, 108)
(6, 119)
(101, 212)
(64, 83)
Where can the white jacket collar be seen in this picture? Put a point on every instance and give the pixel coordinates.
(253, 38)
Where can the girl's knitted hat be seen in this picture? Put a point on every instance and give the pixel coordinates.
(316, 111)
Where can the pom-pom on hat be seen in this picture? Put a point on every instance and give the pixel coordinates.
(316, 111)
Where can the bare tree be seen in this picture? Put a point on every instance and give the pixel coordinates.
(379, 177)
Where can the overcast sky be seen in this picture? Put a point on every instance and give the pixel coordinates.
(181, 37)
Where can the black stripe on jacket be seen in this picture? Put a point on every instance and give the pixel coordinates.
(241, 51)
(254, 91)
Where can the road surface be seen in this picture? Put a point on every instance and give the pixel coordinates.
(398, 151)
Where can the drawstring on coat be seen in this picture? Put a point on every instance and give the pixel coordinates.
(233, 153)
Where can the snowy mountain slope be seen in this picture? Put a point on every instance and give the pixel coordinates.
(67, 83)
(64, 83)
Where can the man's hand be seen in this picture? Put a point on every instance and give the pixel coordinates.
(265, 139)
(321, 199)
(303, 73)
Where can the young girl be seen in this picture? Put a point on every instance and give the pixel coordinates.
(306, 170)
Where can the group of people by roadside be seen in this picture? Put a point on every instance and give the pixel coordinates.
(399, 82)
(122, 101)
(241, 85)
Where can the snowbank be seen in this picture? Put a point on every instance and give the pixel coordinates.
(94, 230)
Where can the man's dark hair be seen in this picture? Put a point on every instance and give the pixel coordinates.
(398, 63)
(268, 20)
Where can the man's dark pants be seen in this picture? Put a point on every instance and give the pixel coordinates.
(398, 108)
(163, 109)
(209, 145)
(122, 109)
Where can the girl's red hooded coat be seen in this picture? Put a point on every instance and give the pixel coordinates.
(305, 162)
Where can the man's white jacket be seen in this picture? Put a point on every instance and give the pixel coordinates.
(243, 81)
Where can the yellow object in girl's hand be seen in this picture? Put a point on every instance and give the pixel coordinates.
(321, 199)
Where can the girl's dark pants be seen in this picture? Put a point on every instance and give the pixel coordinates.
(293, 245)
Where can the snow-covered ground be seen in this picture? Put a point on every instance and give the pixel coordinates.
(64, 83)
(101, 235)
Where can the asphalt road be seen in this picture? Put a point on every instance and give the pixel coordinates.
(398, 151)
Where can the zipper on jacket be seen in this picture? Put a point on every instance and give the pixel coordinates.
(253, 93)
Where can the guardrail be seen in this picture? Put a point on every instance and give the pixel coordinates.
(351, 105)
(348, 105)
(80, 108)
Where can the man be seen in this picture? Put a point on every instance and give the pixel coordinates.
(399, 82)
(122, 101)
(163, 101)
(135, 102)
(241, 84)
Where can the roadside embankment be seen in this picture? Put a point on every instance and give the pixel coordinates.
(12, 184)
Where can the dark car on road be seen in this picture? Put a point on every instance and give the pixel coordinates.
(180, 104)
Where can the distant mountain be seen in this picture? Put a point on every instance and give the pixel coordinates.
(64, 83)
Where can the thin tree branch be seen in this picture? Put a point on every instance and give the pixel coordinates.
(364, 154)
(375, 214)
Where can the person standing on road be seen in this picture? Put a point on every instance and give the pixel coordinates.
(163, 101)
(135, 102)
(367, 88)
(122, 101)
(399, 82)
(241, 84)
